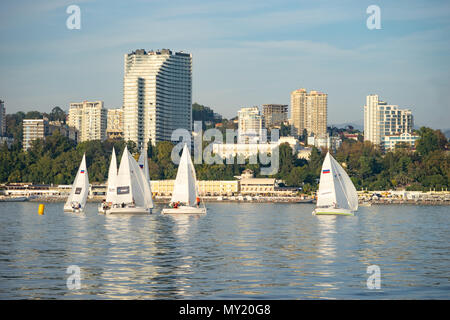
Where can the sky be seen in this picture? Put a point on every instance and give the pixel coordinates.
(245, 53)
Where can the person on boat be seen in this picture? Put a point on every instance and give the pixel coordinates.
(123, 205)
(197, 200)
(175, 205)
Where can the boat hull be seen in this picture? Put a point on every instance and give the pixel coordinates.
(184, 210)
(332, 211)
(69, 209)
(126, 210)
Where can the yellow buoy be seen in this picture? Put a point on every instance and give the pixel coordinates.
(41, 209)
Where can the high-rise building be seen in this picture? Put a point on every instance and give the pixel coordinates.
(34, 129)
(309, 111)
(114, 128)
(275, 114)
(250, 125)
(381, 119)
(316, 114)
(298, 110)
(2, 118)
(90, 119)
(157, 95)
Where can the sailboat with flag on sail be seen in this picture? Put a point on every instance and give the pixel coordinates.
(80, 189)
(337, 194)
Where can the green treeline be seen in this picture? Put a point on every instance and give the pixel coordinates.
(55, 160)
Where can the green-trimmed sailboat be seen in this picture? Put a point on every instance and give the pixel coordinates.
(337, 195)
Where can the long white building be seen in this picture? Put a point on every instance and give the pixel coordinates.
(157, 95)
(381, 119)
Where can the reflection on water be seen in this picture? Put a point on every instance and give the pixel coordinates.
(236, 251)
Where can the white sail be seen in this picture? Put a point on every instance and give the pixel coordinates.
(124, 187)
(185, 189)
(112, 177)
(348, 187)
(142, 191)
(80, 187)
(143, 163)
(336, 189)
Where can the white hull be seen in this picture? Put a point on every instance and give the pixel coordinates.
(332, 211)
(70, 209)
(127, 210)
(184, 210)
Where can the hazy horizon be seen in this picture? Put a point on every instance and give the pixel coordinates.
(244, 53)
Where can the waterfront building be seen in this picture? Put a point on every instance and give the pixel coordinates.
(275, 115)
(309, 112)
(114, 128)
(257, 186)
(250, 125)
(34, 129)
(389, 142)
(381, 119)
(157, 95)
(90, 119)
(2, 118)
(205, 187)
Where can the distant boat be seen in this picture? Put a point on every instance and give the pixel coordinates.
(132, 190)
(337, 195)
(80, 189)
(185, 198)
(111, 184)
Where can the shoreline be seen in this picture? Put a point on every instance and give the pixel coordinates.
(162, 200)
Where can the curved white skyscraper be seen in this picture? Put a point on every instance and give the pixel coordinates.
(157, 95)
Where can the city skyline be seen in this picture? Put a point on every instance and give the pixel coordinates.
(314, 45)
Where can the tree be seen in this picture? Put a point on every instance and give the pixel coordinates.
(285, 130)
(57, 114)
(33, 115)
(430, 140)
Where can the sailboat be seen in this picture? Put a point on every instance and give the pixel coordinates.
(132, 190)
(111, 184)
(337, 195)
(185, 198)
(143, 163)
(80, 189)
